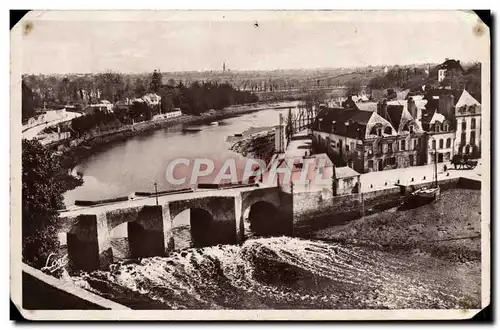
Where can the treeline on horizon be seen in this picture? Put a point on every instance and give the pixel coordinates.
(194, 99)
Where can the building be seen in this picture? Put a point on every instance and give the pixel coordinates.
(411, 138)
(346, 181)
(447, 67)
(167, 115)
(440, 136)
(468, 125)
(456, 115)
(365, 140)
(104, 106)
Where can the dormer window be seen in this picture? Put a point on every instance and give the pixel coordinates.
(412, 130)
(445, 127)
(388, 130)
(437, 127)
(379, 131)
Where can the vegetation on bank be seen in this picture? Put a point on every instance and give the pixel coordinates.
(42, 186)
(41, 91)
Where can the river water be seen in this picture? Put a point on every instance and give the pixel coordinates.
(275, 273)
(262, 273)
(139, 162)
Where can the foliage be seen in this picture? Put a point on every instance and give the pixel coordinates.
(85, 124)
(156, 82)
(41, 198)
(353, 87)
(411, 78)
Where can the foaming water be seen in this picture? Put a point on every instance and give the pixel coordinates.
(273, 273)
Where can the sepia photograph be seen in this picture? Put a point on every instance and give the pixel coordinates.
(250, 165)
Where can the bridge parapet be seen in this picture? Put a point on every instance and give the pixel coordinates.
(214, 219)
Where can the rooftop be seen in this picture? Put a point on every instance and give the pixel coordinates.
(466, 99)
(345, 172)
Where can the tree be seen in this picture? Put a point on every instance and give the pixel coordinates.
(353, 87)
(27, 102)
(156, 82)
(140, 88)
(41, 198)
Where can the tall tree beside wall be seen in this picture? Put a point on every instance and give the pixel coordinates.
(27, 96)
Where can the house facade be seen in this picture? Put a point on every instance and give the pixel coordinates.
(440, 137)
(452, 122)
(448, 67)
(468, 125)
(366, 141)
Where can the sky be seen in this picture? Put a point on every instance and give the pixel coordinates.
(82, 42)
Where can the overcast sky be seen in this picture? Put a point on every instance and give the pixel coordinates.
(62, 42)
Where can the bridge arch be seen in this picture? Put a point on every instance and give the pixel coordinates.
(138, 232)
(265, 212)
(190, 228)
(262, 219)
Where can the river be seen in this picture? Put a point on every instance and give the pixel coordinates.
(137, 163)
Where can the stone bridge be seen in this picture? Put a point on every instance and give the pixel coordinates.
(227, 216)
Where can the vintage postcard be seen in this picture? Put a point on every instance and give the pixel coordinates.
(250, 165)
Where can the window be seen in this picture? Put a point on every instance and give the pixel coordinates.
(464, 125)
(346, 147)
(415, 144)
(380, 148)
(473, 137)
(389, 147)
(352, 146)
(403, 145)
(388, 130)
(411, 129)
(370, 164)
(445, 127)
(462, 139)
(441, 143)
(390, 161)
(448, 143)
(433, 144)
(437, 127)
(349, 182)
(384, 148)
(379, 131)
(473, 123)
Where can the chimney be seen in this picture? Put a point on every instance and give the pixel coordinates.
(445, 106)
(382, 108)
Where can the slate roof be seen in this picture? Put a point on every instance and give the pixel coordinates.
(395, 113)
(466, 99)
(450, 64)
(345, 122)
